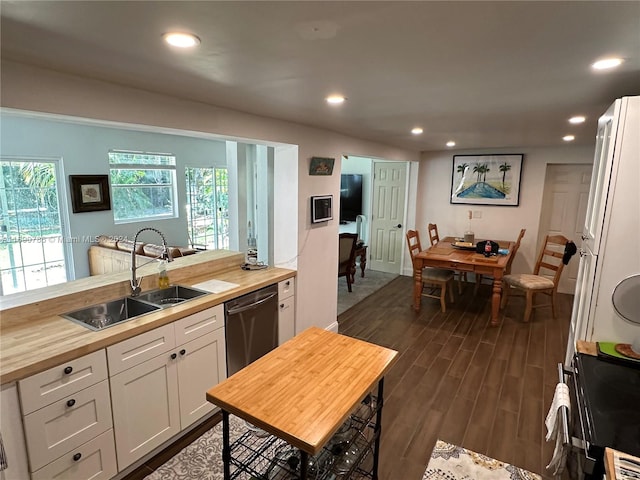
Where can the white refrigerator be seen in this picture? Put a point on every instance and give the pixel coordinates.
(610, 248)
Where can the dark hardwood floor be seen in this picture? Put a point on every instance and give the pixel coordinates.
(457, 379)
(460, 380)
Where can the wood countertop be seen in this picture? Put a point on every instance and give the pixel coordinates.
(589, 348)
(305, 389)
(34, 337)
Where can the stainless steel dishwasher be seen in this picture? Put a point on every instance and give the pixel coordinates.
(251, 327)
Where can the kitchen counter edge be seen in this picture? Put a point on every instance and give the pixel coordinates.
(33, 347)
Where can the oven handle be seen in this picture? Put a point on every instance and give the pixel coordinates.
(564, 411)
(579, 444)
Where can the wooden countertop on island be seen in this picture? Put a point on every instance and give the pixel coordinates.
(306, 388)
(34, 337)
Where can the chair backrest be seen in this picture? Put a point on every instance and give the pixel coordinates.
(550, 257)
(346, 251)
(514, 250)
(433, 233)
(413, 242)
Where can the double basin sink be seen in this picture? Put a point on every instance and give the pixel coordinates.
(107, 314)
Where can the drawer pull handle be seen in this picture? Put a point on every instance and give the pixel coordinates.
(71, 403)
(68, 370)
(282, 305)
(183, 351)
(77, 457)
(174, 356)
(287, 283)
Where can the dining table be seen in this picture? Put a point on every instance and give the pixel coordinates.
(449, 254)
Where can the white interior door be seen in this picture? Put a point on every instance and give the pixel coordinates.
(563, 211)
(387, 216)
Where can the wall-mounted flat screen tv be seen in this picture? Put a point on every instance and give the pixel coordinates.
(321, 208)
(350, 196)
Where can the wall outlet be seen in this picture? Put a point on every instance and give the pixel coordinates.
(477, 214)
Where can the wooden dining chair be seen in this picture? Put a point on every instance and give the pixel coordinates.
(434, 280)
(434, 238)
(507, 268)
(549, 260)
(346, 257)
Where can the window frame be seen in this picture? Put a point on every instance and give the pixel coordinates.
(217, 220)
(173, 187)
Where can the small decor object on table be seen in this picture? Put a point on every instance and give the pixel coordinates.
(89, 193)
(486, 179)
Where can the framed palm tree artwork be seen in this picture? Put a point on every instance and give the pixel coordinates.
(487, 179)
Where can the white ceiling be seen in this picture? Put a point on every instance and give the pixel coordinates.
(485, 74)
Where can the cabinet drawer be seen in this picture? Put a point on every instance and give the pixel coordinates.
(58, 382)
(199, 324)
(286, 319)
(136, 350)
(95, 460)
(286, 288)
(66, 424)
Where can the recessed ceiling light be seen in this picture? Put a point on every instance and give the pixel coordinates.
(335, 99)
(607, 63)
(577, 119)
(181, 40)
(568, 138)
(416, 130)
(451, 143)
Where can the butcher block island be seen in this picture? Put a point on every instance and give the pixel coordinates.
(316, 406)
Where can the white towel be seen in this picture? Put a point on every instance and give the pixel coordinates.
(560, 399)
(215, 286)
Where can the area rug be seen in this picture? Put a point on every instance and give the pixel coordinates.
(362, 288)
(450, 462)
(202, 459)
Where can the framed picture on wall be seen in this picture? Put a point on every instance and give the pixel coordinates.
(321, 166)
(486, 179)
(89, 193)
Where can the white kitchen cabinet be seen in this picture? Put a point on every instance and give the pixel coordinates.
(133, 351)
(64, 409)
(145, 406)
(162, 390)
(603, 163)
(67, 424)
(607, 253)
(286, 310)
(56, 383)
(201, 365)
(12, 435)
(95, 460)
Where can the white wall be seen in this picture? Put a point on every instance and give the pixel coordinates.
(34, 89)
(502, 223)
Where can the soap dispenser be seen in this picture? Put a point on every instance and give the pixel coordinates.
(163, 277)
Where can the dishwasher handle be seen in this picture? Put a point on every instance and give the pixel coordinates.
(250, 306)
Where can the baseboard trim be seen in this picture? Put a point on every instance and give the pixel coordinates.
(333, 327)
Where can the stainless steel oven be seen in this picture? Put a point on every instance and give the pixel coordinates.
(605, 400)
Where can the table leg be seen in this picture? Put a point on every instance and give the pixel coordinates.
(417, 284)
(495, 300)
(226, 448)
(363, 262)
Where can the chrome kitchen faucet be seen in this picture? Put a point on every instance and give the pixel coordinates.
(166, 255)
